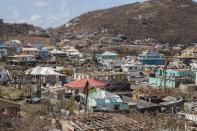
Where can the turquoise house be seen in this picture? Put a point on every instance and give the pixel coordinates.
(101, 100)
(176, 73)
(45, 52)
(173, 77)
(170, 83)
(108, 56)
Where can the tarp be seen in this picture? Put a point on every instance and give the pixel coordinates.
(48, 72)
(75, 53)
(99, 94)
(43, 71)
(57, 52)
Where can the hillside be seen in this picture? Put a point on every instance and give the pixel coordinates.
(170, 21)
(9, 30)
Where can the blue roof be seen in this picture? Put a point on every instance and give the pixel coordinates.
(2, 45)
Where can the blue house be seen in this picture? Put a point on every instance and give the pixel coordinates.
(151, 58)
(173, 77)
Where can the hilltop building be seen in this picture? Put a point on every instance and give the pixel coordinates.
(1, 21)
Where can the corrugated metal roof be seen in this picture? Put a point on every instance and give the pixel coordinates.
(107, 53)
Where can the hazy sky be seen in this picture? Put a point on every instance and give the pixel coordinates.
(53, 13)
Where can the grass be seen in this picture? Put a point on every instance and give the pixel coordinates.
(33, 108)
(10, 93)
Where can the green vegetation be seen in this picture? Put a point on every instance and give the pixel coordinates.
(11, 93)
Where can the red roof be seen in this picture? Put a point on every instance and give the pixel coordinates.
(82, 83)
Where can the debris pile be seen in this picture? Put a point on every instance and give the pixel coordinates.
(106, 121)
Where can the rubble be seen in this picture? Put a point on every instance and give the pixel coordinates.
(106, 121)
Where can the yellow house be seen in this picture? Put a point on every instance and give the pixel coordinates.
(190, 51)
(30, 51)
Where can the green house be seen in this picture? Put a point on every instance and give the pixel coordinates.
(173, 77)
(108, 56)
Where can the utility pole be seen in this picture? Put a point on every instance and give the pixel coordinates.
(165, 79)
(86, 93)
(179, 3)
(2, 124)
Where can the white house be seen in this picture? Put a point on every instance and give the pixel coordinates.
(72, 52)
(193, 65)
(111, 64)
(22, 59)
(133, 70)
(69, 24)
(4, 75)
(132, 67)
(3, 53)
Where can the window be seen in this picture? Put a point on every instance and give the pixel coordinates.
(4, 110)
